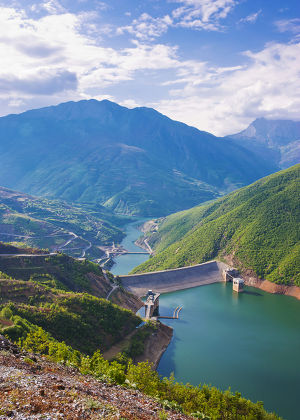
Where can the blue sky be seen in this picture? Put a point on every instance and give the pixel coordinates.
(214, 64)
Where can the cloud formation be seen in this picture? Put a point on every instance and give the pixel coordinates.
(39, 83)
(224, 100)
(202, 14)
(60, 56)
(192, 14)
(252, 18)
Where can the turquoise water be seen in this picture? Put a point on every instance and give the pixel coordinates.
(248, 341)
(125, 263)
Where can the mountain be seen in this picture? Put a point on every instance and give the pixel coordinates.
(56, 224)
(132, 161)
(255, 228)
(272, 140)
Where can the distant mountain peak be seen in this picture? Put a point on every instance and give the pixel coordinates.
(272, 139)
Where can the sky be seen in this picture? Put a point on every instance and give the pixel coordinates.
(213, 64)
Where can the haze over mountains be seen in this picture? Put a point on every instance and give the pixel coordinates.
(272, 140)
(132, 161)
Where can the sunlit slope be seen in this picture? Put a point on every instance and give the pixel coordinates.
(256, 227)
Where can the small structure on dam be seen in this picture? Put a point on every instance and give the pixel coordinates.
(151, 304)
(238, 284)
(231, 274)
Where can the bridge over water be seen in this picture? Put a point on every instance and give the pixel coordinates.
(175, 279)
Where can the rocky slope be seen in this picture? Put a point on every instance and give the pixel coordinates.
(32, 387)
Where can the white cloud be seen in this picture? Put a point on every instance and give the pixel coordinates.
(251, 18)
(146, 27)
(289, 25)
(193, 14)
(202, 14)
(224, 101)
(50, 6)
(34, 52)
(52, 59)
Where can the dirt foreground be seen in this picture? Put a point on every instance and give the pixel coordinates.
(32, 387)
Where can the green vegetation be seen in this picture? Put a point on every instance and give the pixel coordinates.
(83, 321)
(44, 223)
(58, 271)
(200, 401)
(256, 227)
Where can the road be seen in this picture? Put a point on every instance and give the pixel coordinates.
(85, 249)
(28, 255)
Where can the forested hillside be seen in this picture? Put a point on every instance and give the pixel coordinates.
(256, 227)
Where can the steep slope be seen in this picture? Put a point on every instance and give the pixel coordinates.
(256, 227)
(132, 161)
(56, 224)
(272, 140)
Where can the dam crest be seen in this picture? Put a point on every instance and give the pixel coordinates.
(174, 279)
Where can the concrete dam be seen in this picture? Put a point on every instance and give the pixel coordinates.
(175, 279)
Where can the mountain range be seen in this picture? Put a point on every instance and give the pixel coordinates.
(131, 161)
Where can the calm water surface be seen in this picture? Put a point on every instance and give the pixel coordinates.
(249, 341)
(125, 263)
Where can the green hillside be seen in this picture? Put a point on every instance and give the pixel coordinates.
(64, 296)
(256, 227)
(56, 224)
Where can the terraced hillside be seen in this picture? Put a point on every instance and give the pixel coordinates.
(78, 230)
(61, 272)
(255, 228)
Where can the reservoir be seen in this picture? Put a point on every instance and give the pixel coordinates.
(248, 341)
(125, 263)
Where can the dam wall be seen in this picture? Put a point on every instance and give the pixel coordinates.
(175, 279)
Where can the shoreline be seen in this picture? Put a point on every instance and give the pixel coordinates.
(155, 345)
(273, 288)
